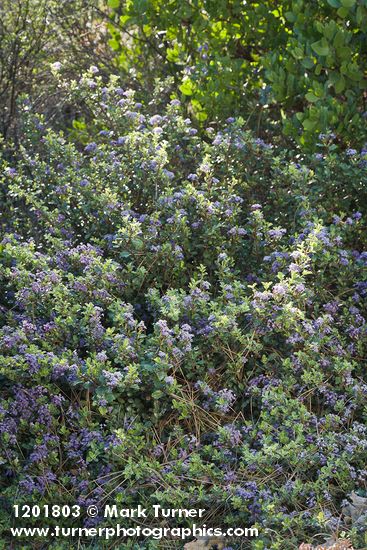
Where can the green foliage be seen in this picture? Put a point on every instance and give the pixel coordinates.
(301, 63)
(320, 73)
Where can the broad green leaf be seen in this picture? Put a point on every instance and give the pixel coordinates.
(309, 124)
(343, 12)
(311, 97)
(298, 53)
(339, 39)
(329, 30)
(340, 85)
(187, 87)
(319, 26)
(307, 63)
(348, 3)
(344, 52)
(320, 47)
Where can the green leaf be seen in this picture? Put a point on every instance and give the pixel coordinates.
(318, 69)
(137, 243)
(334, 3)
(113, 4)
(343, 12)
(187, 87)
(125, 254)
(201, 116)
(344, 52)
(172, 54)
(348, 3)
(339, 39)
(340, 85)
(309, 124)
(157, 394)
(114, 44)
(307, 63)
(320, 47)
(319, 27)
(79, 124)
(360, 14)
(290, 16)
(311, 97)
(298, 53)
(329, 30)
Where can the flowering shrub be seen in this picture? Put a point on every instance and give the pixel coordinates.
(183, 322)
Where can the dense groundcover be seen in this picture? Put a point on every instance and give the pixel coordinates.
(183, 322)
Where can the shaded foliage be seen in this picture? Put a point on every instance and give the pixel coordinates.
(298, 63)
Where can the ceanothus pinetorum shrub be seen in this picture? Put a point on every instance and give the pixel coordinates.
(183, 322)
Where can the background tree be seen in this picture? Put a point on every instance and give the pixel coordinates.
(34, 34)
(299, 63)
